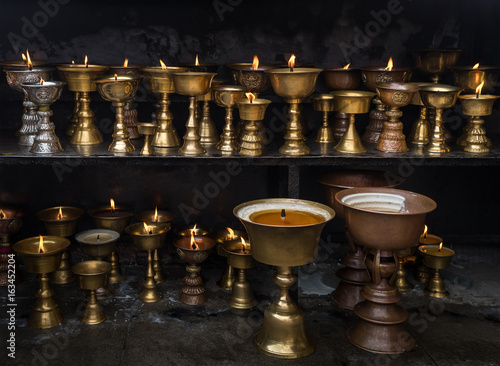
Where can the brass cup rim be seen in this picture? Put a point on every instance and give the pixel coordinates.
(119, 78)
(397, 86)
(441, 88)
(229, 88)
(296, 70)
(53, 245)
(383, 69)
(150, 213)
(421, 250)
(353, 93)
(82, 68)
(33, 69)
(208, 243)
(114, 236)
(159, 228)
(326, 96)
(78, 212)
(91, 268)
(469, 68)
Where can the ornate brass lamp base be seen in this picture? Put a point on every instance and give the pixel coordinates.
(437, 143)
(253, 113)
(324, 103)
(283, 334)
(350, 142)
(115, 274)
(339, 124)
(86, 132)
(121, 138)
(207, 129)
(131, 120)
(294, 138)
(193, 291)
(377, 120)
(242, 296)
(435, 287)
(228, 143)
(227, 279)
(46, 140)
(46, 313)
(166, 134)
(150, 292)
(30, 119)
(402, 282)
(192, 144)
(420, 130)
(476, 141)
(93, 313)
(147, 129)
(74, 117)
(63, 275)
(159, 276)
(225, 96)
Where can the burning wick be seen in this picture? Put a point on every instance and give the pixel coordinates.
(231, 233)
(193, 242)
(155, 218)
(148, 229)
(30, 64)
(41, 81)
(41, 249)
(125, 63)
(2, 214)
(478, 89)
(73, 62)
(163, 66)
(112, 204)
(196, 62)
(283, 214)
(347, 66)
(98, 237)
(250, 97)
(255, 63)
(476, 66)
(291, 62)
(390, 65)
(60, 215)
(425, 232)
(244, 245)
(440, 246)
(116, 77)
(86, 62)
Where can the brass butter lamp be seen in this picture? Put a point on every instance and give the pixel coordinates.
(192, 84)
(284, 233)
(423, 272)
(252, 111)
(401, 281)
(42, 256)
(80, 78)
(324, 103)
(149, 237)
(11, 221)
(147, 129)
(351, 102)
(91, 276)
(394, 95)
(384, 220)
(294, 85)
(221, 237)
(119, 89)
(421, 128)
(437, 258)
(436, 61)
(225, 96)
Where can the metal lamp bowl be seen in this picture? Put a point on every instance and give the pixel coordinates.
(159, 80)
(472, 106)
(192, 83)
(342, 79)
(374, 74)
(225, 96)
(439, 95)
(98, 250)
(81, 78)
(119, 89)
(91, 275)
(146, 241)
(437, 61)
(41, 263)
(396, 94)
(352, 101)
(292, 85)
(44, 94)
(16, 77)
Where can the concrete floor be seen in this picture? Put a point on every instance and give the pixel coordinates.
(461, 330)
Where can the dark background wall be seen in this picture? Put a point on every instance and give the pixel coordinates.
(329, 33)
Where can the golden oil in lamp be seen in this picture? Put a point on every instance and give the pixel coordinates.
(91, 276)
(42, 256)
(421, 128)
(80, 78)
(476, 106)
(192, 84)
(158, 79)
(119, 89)
(206, 128)
(351, 102)
(157, 216)
(129, 112)
(61, 221)
(394, 95)
(354, 275)
(239, 256)
(423, 272)
(284, 233)
(99, 244)
(384, 220)
(437, 258)
(324, 103)
(294, 85)
(438, 97)
(371, 76)
(436, 61)
(149, 237)
(44, 94)
(147, 129)
(194, 250)
(221, 237)
(11, 220)
(225, 96)
(343, 78)
(252, 110)
(112, 217)
(16, 76)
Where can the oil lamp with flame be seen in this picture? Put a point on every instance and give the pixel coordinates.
(251, 76)
(194, 250)
(423, 272)
(11, 220)
(42, 256)
(81, 79)
(252, 111)
(158, 79)
(371, 76)
(294, 86)
(437, 257)
(32, 74)
(476, 106)
(198, 66)
(61, 221)
(149, 237)
(221, 237)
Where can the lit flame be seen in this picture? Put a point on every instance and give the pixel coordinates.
(112, 204)
(86, 62)
(163, 66)
(291, 62)
(440, 246)
(125, 63)
(250, 96)
(231, 233)
(479, 89)
(24, 57)
(2, 214)
(244, 243)
(476, 66)
(147, 228)
(155, 219)
(41, 81)
(346, 66)
(116, 77)
(196, 62)
(425, 232)
(41, 249)
(193, 242)
(30, 64)
(73, 61)
(60, 215)
(390, 65)
(255, 63)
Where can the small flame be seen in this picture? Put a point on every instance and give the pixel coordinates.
(41, 81)
(60, 215)
(425, 232)
(291, 62)
(163, 66)
(112, 204)
(155, 218)
(346, 66)
(196, 61)
(147, 228)
(41, 248)
(255, 63)
(390, 65)
(250, 96)
(476, 66)
(479, 89)
(30, 64)
(193, 242)
(244, 243)
(116, 77)
(73, 62)
(86, 62)
(2, 214)
(125, 63)
(231, 233)
(24, 57)
(440, 246)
